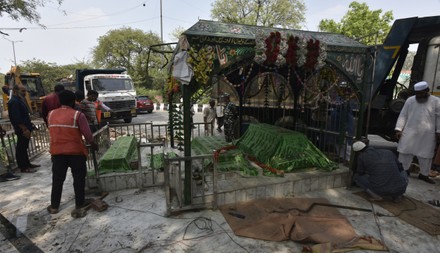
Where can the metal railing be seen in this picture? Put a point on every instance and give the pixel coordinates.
(39, 142)
(202, 192)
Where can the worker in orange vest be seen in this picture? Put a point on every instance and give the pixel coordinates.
(67, 126)
(99, 107)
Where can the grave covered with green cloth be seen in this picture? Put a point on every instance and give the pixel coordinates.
(282, 148)
(118, 157)
(276, 147)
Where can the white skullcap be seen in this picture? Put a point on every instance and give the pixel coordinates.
(358, 146)
(420, 86)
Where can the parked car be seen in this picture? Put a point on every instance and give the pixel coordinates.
(144, 104)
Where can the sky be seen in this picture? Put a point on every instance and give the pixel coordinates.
(72, 29)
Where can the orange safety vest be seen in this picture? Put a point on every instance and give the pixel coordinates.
(65, 136)
(98, 110)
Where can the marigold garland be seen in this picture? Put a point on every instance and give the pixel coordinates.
(202, 62)
(173, 86)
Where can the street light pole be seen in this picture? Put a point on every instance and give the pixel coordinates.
(161, 24)
(13, 48)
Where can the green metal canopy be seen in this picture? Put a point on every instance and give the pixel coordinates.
(346, 54)
(206, 31)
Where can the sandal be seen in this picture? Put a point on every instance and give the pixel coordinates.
(28, 170)
(434, 202)
(52, 210)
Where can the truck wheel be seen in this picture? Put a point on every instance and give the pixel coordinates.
(127, 120)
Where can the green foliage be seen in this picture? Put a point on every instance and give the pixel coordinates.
(409, 61)
(176, 33)
(282, 13)
(51, 72)
(176, 117)
(23, 9)
(361, 23)
(2, 79)
(129, 48)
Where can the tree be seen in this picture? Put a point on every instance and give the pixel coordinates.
(361, 23)
(23, 9)
(129, 48)
(270, 13)
(409, 61)
(175, 34)
(50, 72)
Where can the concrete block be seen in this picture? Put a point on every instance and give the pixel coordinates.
(270, 191)
(307, 183)
(260, 192)
(297, 187)
(221, 199)
(240, 195)
(279, 190)
(337, 181)
(288, 189)
(251, 193)
(230, 197)
(108, 183)
(330, 181)
(315, 184)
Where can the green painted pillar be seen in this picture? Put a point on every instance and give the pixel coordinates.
(186, 94)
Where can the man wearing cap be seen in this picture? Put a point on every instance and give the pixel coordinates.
(379, 173)
(231, 115)
(417, 128)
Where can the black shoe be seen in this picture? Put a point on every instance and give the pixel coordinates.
(33, 166)
(407, 173)
(426, 179)
(9, 177)
(397, 199)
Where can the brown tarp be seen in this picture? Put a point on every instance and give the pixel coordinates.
(414, 212)
(288, 219)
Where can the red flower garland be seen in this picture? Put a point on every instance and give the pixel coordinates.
(312, 54)
(226, 148)
(267, 167)
(291, 56)
(272, 47)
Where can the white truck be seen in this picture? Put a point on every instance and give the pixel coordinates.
(115, 88)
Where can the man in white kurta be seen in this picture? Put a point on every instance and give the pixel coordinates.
(416, 128)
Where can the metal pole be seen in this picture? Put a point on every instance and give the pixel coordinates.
(161, 24)
(370, 99)
(13, 49)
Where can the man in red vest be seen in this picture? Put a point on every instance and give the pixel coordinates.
(66, 128)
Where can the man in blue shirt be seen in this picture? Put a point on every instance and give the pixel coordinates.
(19, 116)
(379, 172)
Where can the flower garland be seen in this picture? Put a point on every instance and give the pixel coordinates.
(277, 49)
(173, 86)
(270, 49)
(225, 78)
(291, 55)
(202, 62)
